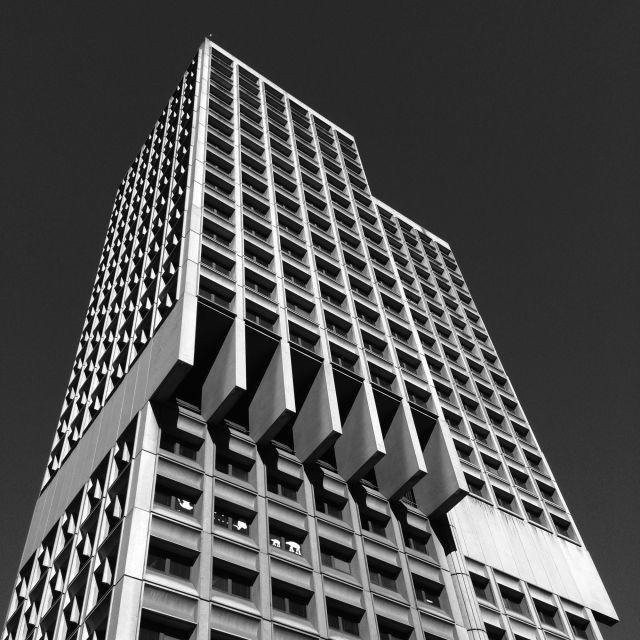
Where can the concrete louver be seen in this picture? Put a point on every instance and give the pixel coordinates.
(402, 459)
(317, 424)
(227, 378)
(273, 403)
(403, 464)
(445, 485)
(361, 445)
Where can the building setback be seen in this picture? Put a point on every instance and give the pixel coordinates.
(286, 418)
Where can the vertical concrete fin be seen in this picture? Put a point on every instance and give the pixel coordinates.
(318, 422)
(403, 464)
(361, 444)
(274, 400)
(227, 379)
(444, 486)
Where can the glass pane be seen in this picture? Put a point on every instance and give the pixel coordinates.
(155, 561)
(179, 569)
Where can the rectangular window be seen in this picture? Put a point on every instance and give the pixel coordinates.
(231, 583)
(416, 541)
(169, 563)
(281, 487)
(343, 621)
(579, 627)
(287, 602)
(232, 467)
(179, 447)
(548, 614)
(505, 500)
(428, 592)
(287, 541)
(513, 600)
(173, 500)
(482, 588)
(222, 517)
(152, 631)
(373, 524)
(329, 507)
(388, 633)
(339, 559)
(383, 576)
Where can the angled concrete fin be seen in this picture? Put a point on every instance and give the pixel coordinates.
(444, 486)
(361, 444)
(274, 401)
(227, 379)
(317, 424)
(403, 464)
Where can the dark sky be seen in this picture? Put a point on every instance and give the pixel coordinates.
(509, 129)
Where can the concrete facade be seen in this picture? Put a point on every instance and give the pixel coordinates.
(286, 418)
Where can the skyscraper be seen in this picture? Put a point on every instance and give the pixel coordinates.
(286, 418)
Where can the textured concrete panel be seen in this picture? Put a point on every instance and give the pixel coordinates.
(489, 537)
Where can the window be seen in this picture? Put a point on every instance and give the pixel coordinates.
(306, 341)
(508, 448)
(294, 604)
(174, 500)
(374, 348)
(258, 287)
(336, 328)
(258, 259)
(383, 379)
(295, 279)
(427, 591)
(282, 487)
(520, 479)
(222, 517)
(232, 583)
(476, 486)
(563, 527)
(343, 358)
(329, 507)
(232, 467)
(513, 600)
(505, 500)
(280, 539)
(548, 614)
(158, 631)
(493, 465)
(482, 588)
(464, 452)
(383, 576)
(180, 448)
(259, 319)
(579, 627)
(374, 523)
(335, 557)
(387, 632)
(547, 491)
(169, 562)
(347, 622)
(533, 512)
(417, 541)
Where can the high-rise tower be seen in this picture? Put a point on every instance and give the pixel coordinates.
(286, 418)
